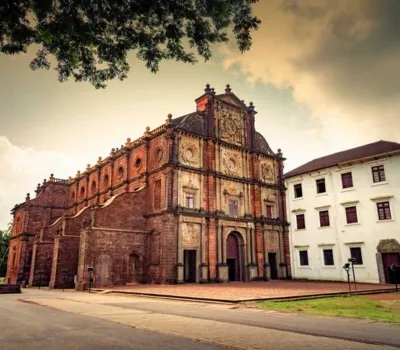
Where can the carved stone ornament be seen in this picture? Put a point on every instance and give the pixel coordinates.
(232, 163)
(267, 173)
(189, 153)
(231, 128)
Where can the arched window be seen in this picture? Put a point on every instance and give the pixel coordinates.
(82, 191)
(93, 187)
(120, 171)
(138, 163)
(106, 180)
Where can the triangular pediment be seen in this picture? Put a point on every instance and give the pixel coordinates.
(232, 99)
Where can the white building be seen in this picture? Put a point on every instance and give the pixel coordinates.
(346, 205)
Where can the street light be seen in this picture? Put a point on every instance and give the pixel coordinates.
(353, 261)
(347, 269)
(90, 270)
(64, 272)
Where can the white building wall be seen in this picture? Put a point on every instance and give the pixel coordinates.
(340, 236)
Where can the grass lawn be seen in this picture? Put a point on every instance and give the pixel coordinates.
(354, 306)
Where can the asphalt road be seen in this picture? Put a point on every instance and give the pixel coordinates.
(332, 327)
(94, 321)
(27, 326)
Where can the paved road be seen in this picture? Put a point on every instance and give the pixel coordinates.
(218, 324)
(26, 326)
(332, 327)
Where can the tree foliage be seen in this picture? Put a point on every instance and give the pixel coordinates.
(4, 241)
(90, 39)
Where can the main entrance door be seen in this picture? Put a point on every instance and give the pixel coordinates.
(273, 266)
(389, 259)
(234, 258)
(189, 268)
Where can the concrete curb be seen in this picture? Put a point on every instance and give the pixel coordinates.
(238, 301)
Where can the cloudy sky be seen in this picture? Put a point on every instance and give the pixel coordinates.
(324, 76)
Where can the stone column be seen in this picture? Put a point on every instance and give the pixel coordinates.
(179, 265)
(252, 266)
(203, 265)
(222, 266)
(267, 268)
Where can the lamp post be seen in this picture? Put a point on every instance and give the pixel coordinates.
(64, 272)
(352, 261)
(90, 270)
(347, 269)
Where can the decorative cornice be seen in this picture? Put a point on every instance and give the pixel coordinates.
(298, 210)
(349, 202)
(323, 207)
(350, 243)
(301, 246)
(381, 197)
(326, 244)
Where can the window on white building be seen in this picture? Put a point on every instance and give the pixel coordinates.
(328, 257)
(378, 173)
(298, 191)
(300, 221)
(303, 254)
(347, 180)
(321, 187)
(268, 210)
(355, 252)
(384, 211)
(324, 218)
(351, 215)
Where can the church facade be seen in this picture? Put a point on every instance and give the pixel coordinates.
(199, 199)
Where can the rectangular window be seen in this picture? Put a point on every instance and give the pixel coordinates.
(347, 180)
(233, 208)
(321, 188)
(157, 195)
(300, 220)
(384, 211)
(355, 253)
(298, 191)
(351, 215)
(324, 218)
(328, 257)
(303, 257)
(378, 173)
(189, 200)
(268, 210)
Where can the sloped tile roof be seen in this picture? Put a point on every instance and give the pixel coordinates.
(369, 150)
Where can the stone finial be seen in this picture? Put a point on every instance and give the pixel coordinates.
(251, 107)
(207, 90)
(228, 89)
(112, 150)
(44, 182)
(168, 121)
(147, 132)
(78, 173)
(38, 188)
(128, 142)
(213, 92)
(99, 160)
(88, 167)
(51, 178)
(279, 153)
(28, 197)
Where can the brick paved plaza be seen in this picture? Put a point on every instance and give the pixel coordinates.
(239, 291)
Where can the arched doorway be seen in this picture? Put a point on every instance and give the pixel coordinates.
(135, 268)
(234, 257)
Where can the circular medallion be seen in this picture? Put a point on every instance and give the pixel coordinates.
(189, 153)
(231, 164)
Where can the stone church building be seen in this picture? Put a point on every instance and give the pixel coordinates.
(199, 199)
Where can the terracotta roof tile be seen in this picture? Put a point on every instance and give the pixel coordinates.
(369, 150)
